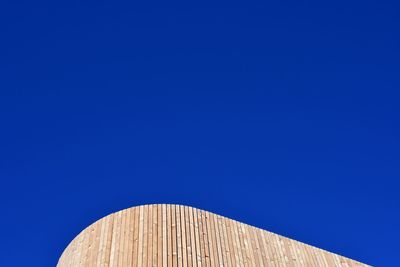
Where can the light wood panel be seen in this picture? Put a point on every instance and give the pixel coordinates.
(174, 235)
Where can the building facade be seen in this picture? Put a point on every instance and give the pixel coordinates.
(174, 235)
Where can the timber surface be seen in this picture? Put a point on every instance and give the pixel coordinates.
(180, 236)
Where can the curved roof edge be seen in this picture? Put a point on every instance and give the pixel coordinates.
(214, 238)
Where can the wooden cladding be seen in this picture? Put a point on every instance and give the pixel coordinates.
(174, 235)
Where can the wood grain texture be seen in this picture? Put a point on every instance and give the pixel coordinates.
(174, 235)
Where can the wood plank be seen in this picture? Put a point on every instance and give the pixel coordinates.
(149, 236)
(96, 243)
(141, 237)
(179, 235)
(113, 253)
(232, 256)
(135, 253)
(110, 231)
(192, 237)
(218, 239)
(263, 248)
(188, 236)
(122, 241)
(210, 239)
(159, 236)
(145, 234)
(256, 247)
(169, 233)
(205, 238)
(174, 241)
(131, 228)
(183, 236)
(246, 245)
(197, 237)
(164, 234)
(225, 255)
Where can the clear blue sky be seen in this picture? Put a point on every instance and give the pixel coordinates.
(281, 114)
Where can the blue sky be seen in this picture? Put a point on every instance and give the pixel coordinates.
(280, 114)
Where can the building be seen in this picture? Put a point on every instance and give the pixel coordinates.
(174, 235)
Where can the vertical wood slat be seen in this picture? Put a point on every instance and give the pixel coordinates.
(192, 237)
(179, 235)
(210, 239)
(206, 238)
(123, 250)
(201, 239)
(169, 234)
(224, 250)
(130, 230)
(140, 247)
(174, 235)
(183, 236)
(164, 235)
(150, 236)
(135, 252)
(187, 232)
(145, 234)
(155, 237)
(159, 236)
(197, 237)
